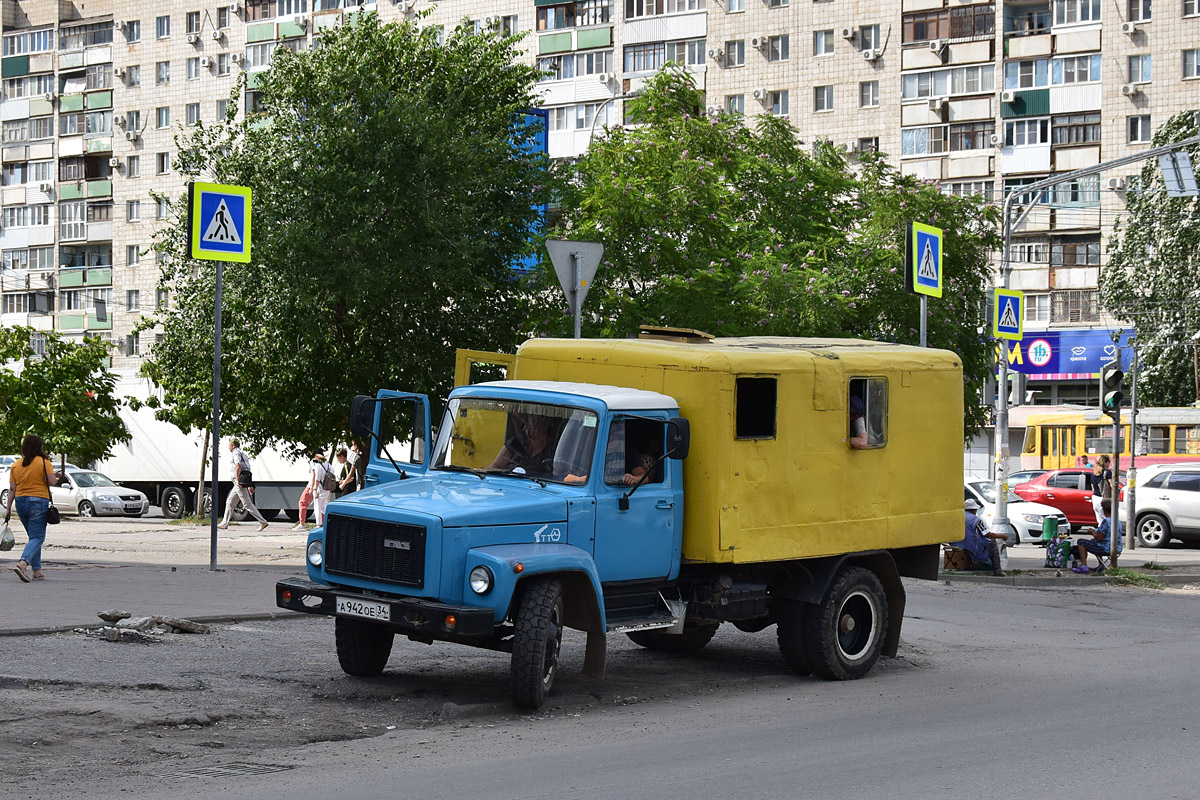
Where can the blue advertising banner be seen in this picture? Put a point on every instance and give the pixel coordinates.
(1065, 353)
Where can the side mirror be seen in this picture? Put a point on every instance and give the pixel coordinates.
(679, 438)
(362, 416)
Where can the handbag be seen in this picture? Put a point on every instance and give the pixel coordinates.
(6, 538)
(52, 515)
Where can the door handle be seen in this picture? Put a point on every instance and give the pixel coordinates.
(1049, 497)
(1163, 497)
(664, 504)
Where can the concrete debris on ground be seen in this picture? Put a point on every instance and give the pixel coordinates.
(116, 615)
(122, 623)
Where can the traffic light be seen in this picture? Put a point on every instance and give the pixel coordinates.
(1111, 393)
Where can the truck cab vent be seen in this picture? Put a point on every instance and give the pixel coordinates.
(685, 335)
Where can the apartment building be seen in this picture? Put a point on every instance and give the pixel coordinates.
(979, 97)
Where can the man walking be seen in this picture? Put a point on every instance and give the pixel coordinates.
(239, 467)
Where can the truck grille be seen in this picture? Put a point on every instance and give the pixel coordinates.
(369, 549)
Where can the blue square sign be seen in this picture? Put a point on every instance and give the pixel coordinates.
(219, 224)
(1008, 314)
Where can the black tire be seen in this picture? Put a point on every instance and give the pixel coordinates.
(86, 509)
(537, 641)
(362, 647)
(205, 509)
(1153, 531)
(847, 628)
(173, 502)
(692, 640)
(4, 499)
(269, 513)
(791, 634)
(293, 514)
(240, 514)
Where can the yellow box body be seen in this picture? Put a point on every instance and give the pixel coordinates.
(803, 493)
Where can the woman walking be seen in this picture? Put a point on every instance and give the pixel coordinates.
(29, 485)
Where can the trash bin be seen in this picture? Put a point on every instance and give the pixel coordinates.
(1049, 529)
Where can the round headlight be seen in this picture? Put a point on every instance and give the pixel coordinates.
(316, 553)
(481, 580)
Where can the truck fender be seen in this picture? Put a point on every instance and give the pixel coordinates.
(583, 601)
(809, 580)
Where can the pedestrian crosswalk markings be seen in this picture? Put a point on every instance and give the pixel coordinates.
(928, 265)
(221, 228)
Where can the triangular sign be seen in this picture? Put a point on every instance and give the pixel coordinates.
(221, 228)
(1008, 317)
(927, 268)
(565, 255)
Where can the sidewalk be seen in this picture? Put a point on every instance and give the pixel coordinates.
(1025, 568)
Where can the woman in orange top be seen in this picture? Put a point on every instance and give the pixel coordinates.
(29, 484)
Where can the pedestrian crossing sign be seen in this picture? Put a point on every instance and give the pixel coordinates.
(923, 260)
(1008, 314)
(219, 222)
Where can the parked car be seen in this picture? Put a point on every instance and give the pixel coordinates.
(1068, 490)
(1024, 476)
(1026, 518)
(91, 494)
(1168, 504)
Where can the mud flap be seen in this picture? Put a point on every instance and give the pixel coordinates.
(593, 658)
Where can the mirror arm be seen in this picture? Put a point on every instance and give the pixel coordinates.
(623, 503)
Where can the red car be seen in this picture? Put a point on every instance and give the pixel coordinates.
(1068, 490)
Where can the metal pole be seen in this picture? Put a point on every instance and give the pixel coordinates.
(924, 317)
(575, 309)
(1000, 523)
(216, 426)
(1131, 490)
(1112, 488)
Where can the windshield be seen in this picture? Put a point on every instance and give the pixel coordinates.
(496, 436)
(988, 490)
(87, 480)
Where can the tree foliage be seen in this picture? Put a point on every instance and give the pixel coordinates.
(1152, 278)
(709, 223)
(390, 196)
(67, 396)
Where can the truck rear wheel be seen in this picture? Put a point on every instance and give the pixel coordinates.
(362, 647)
(173, 502)
(793, 645)
(847, 628)
(537, 641)
(692, 640)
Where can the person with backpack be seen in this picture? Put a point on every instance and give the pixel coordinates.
(239, 466)
(310, 490)
(347, 479)
(326, 485)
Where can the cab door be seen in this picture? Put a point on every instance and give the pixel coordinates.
(400, 433)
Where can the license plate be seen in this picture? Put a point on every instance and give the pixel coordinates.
(137, 507)
(365, 609)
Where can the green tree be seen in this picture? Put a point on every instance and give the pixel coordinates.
(390, 198)
(709, 223)
(1152, 278)
(67, 395)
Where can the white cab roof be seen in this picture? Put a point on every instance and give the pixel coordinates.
(617, 398)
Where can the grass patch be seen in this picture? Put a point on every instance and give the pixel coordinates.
(190, 520)
(1123, 576)
(1154, 565)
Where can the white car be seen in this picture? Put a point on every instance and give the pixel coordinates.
(91, 494)
(1026, 518)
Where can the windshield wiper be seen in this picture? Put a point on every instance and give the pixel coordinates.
(455, 468)
(513, 473)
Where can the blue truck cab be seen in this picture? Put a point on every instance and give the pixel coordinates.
(540, 505)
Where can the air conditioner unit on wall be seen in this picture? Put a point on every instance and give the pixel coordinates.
(758, 42)
(491, 22)
(235, 8)
(1116, 184)
(192, 38)
(848, 147)
(113, 161)
(604, 77)
(131, 136)
(205, 62)
(1130, 89)
(870, 55)
(237, 58)
(119, 24)
(1008, 96)
(45, 187)
(937, 103)
(995, 139)
(119, 121)
(49, 97)
(760, 94)
(1129, 28)
(849, 32)
(118, 72)
(714, 110)
(716, 54)
(403, 6)
(216, 35)
(937, 45)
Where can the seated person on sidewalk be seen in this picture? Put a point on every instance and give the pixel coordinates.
(981, 546)
(1099, 542)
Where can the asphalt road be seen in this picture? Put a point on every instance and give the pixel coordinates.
(999, 693)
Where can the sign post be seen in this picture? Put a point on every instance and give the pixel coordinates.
(218, 230)
(575, 264)
(923, 267)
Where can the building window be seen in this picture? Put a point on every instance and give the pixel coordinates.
(70, 124)
(868, 144)
(926, 25)
(222, 110)
(868, 94)
(587, 12)
(162, 164)
(823, 98)
(162, 117)
(1075, 306)
(162, 300)
(868, 38)
(133, 166)
(867, 413)
(80, 36)
(1077, 252)
(259, 55)
(162, 73)
(133, 76)
(98, 76)
(969, 188)
(1191, 8)
(735, 53)
(20, 44)
(223, 17)
(193, 68)
(133, 30)
(779, 102)
(1139, 10)
(1191, 63)
(1140, 70)
(651, 8)
(1021, 132)
(778, 3)
(1069, 12)
(736, 104)
(1139, 129)
(1037, 308)
(645, 57)
(223, 63)
(1027, 74)
(552, 18)
(98, 122)
(191, 21)
(260, 9)
(1075, 69)
(133, 210)
(690, 53)
(734, 6)
(978, 20)
(971, 136)
(162, 27)
(822, 43)
(946, 82)
(289, 7)
(778, 48)
(133, 255)
(1076, 128)
(1026, 20)
(924, 141)
(192, 111)
(133, 297)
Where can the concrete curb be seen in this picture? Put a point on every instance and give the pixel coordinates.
(1055, 582)
(218, 619)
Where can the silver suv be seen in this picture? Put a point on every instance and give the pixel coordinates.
(1168, 504)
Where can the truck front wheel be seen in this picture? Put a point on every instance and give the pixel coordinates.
(692, 640)
(845, 631)
(362, 647)
(537, 641)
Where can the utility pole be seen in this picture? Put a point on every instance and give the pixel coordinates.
(1131, 487)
